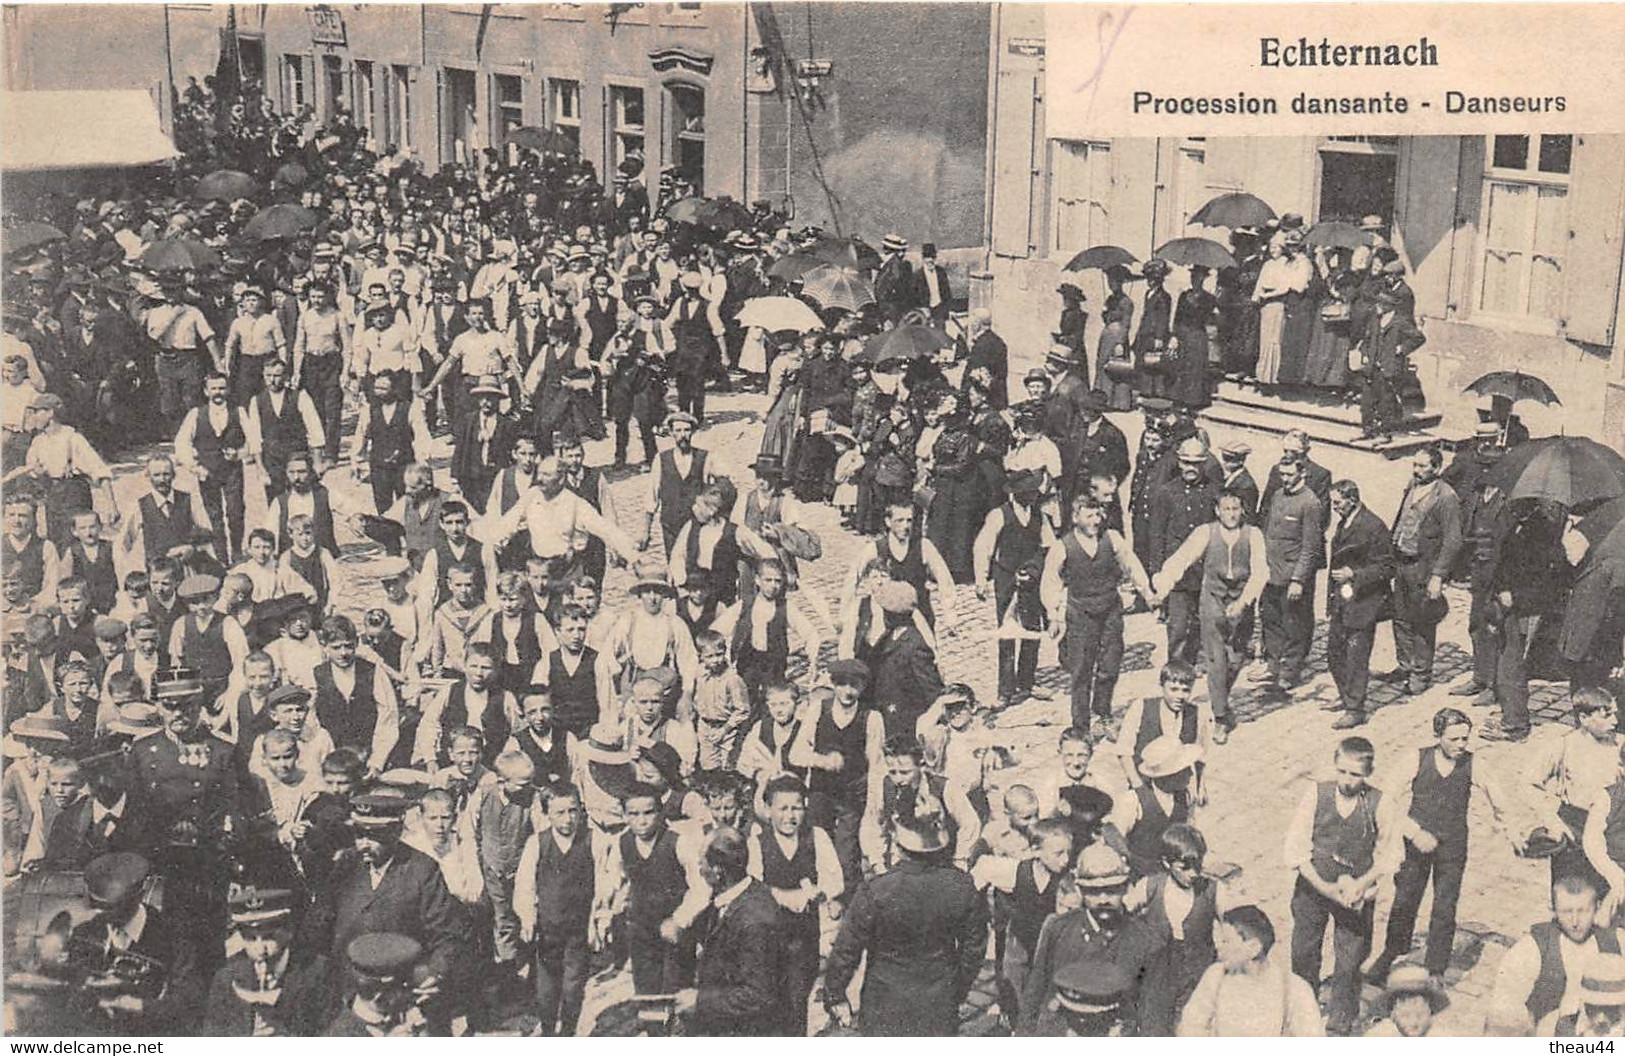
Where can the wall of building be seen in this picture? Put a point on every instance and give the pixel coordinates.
(898, 131)
(51, 47)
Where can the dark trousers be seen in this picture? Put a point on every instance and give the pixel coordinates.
(1225, 641)
(1348, 654)
(1184, 626)
(247, 378)
(1512, 674)
(223, 502)
(322, 378)
(1445, 865)
(1283, 621)
(388, 484)
(476, 487)
(842, 819)
(1018, 660)
(1486, 643)
(1351, 942)
(180, 385)
(623, 435)
(658, 966)
(1379, 402)
(1093, 657)
(691, 393)
(800, 936)
(1416, 623)
(561, 980)
(274, 461)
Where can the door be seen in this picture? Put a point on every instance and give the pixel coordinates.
(462, 119)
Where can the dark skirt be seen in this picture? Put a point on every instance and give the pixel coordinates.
(1113, 344)
(1327, 365)
(954, 519)
(1302, 311)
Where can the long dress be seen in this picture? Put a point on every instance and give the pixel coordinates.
(1186, 374)
(952, 522)
(1238, 319)
(1327, 365)
(1272, 284)
(1153, 338)
(1298, 322)
(1116, 318)
(1070, 332)
(784, 412)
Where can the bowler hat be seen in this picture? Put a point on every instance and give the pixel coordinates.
(667, 763)
(112, 878)
(487, 386)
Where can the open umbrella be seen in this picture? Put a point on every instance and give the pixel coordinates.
(1101, 258)
(27, 235)
(1196, 252)
(686, 210)
(725, 214)
(292, 174)
(1336, 234)
(850, 252)
(1572, 471)
(532, 137)
(280, 221)
(794, 265)
(834, 286)
(225, 185)
(179, 254)
(1514, 385)
(1234, 210)
(779, 313)
(904, 342)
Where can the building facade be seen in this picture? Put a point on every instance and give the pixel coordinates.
(1513, 244)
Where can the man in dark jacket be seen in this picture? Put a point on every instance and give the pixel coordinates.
(480, 446)
(906, 678)
(1292, 523)
(1426, 535)
(1098, 447)
(894, 278)
(923, 927)
(931, 289)
(1529, 584)
(1483, 525)
(1177, 509)
(1590, 638)
(989, 352)
(1362, 569)
(741, 973)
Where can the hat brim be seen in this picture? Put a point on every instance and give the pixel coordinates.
(1095, 883)
(486, 390)
(654, 585)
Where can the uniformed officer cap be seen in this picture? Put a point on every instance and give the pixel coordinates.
(260, 906)
(176, 685)
(377, 810)
(384, 956)
(112, 878)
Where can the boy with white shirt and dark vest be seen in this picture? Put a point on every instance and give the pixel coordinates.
(1181, 906)
(453, 546)
(758, 626)
(550, 748)
(478, 701)
(1080, 588)
(204, 639)
(578, 677)
(24, 549)
(1168, 794)
(1174, 714)
(390, 431)
(797, 862)
(711, 546)
(1233, 574)
(766, 750)
(841, 744)
(676, 478)
(645, 880)
(553, 897)
(88, 557)
(304, 558)
(1341, 841)
(1434, 804)
(513, 485)
(517, 634)
(211, 441)
(355, 702)
(305, 495)
(1026, 887)
(165, 515)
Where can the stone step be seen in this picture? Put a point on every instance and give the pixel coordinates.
(1281, 416)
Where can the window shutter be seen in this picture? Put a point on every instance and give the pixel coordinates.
(1426, 213)
(441, 128)
(1015, 154)
(1592, 270)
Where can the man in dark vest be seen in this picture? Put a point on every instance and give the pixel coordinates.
(389, 433)
(710, 547)
(576, 675)
(588, 482)
(166, 517)
(355, 701)
(1333, 841)
(1537, 981)
(1080, 591)
(305, 494)
(679, 475)
(1434, 804)
(694, 357)
(281, 422)
(907, 791)
(1014, 534)
(1361, 560)
(597, 313)
(1233, 573)
(211, 442)
(553, 897)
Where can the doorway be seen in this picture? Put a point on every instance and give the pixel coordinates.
(1357, 178)
(461, 117)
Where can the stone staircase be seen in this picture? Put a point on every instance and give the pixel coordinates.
(1323, 415)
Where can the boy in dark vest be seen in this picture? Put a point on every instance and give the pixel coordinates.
(453, 547)
(1537, 981)
(1025, 888)
(840, 742)
(759, 627)
(476, 700)
(798, 864)
(390, 432)
(643, 874)
(576, 675)
(163, 597)
(203, 639)
(1233, 574)
(310, 563)
(905, 791)
(1175, 714)
(355, 702)
(75, 623)
(1166, 795)
(550, 748)
(711, 546)
(679, 474)
(1333, 841)
(1080, 590)
(518, 635)
(554, 894)
(1012, 535)
(88, 557)
(305, 496)
(765, 753)
(1180, 905)
(1433, 804)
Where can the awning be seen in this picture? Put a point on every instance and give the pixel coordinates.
(44, 131)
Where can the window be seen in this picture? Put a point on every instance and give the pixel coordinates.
(1191, 179)
(1526, 227)
(507, 104)
(366, 94)
(566, 107)
(294, 91)
(686, 118)
(1080, 187)
(626, 121)
(399, 98)
(334, 95)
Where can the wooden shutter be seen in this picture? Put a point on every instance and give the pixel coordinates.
(1592, 270)
(1425, 214)
(1015, 162)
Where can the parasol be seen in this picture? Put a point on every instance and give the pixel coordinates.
(179, 254)
(280, 221)
(834, 286)
(904, 342)
(1101, 258)
(1336, 234)
(1196, 252)
(1515, 386)
(1572, 471)
(1234, 210)
(779, 313)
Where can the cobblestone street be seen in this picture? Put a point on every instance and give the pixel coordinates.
(1253, 781)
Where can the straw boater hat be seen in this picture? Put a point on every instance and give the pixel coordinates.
(1408, 979)
(894, 243)
(897, 597)
(652, 576)
(45, 729)
(137, 721)
(487, 386)
(1603, 981)
(1373, 222)
(926, 833)
(1100, 866)
(1167, 756)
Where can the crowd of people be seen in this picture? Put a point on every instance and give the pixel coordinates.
(240, 804)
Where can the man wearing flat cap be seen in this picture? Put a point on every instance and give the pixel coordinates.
(187, 781)
(1383, 324)
(267, 988)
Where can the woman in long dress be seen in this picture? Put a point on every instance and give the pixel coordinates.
(1327, 366)
(1270, 295)
(1116, 317)
(1298, 324)
(784, 393)
(1070, 330)
(1187, 370)
(948, 455)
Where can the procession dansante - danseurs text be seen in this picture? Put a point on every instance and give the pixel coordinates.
(1277, 53)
